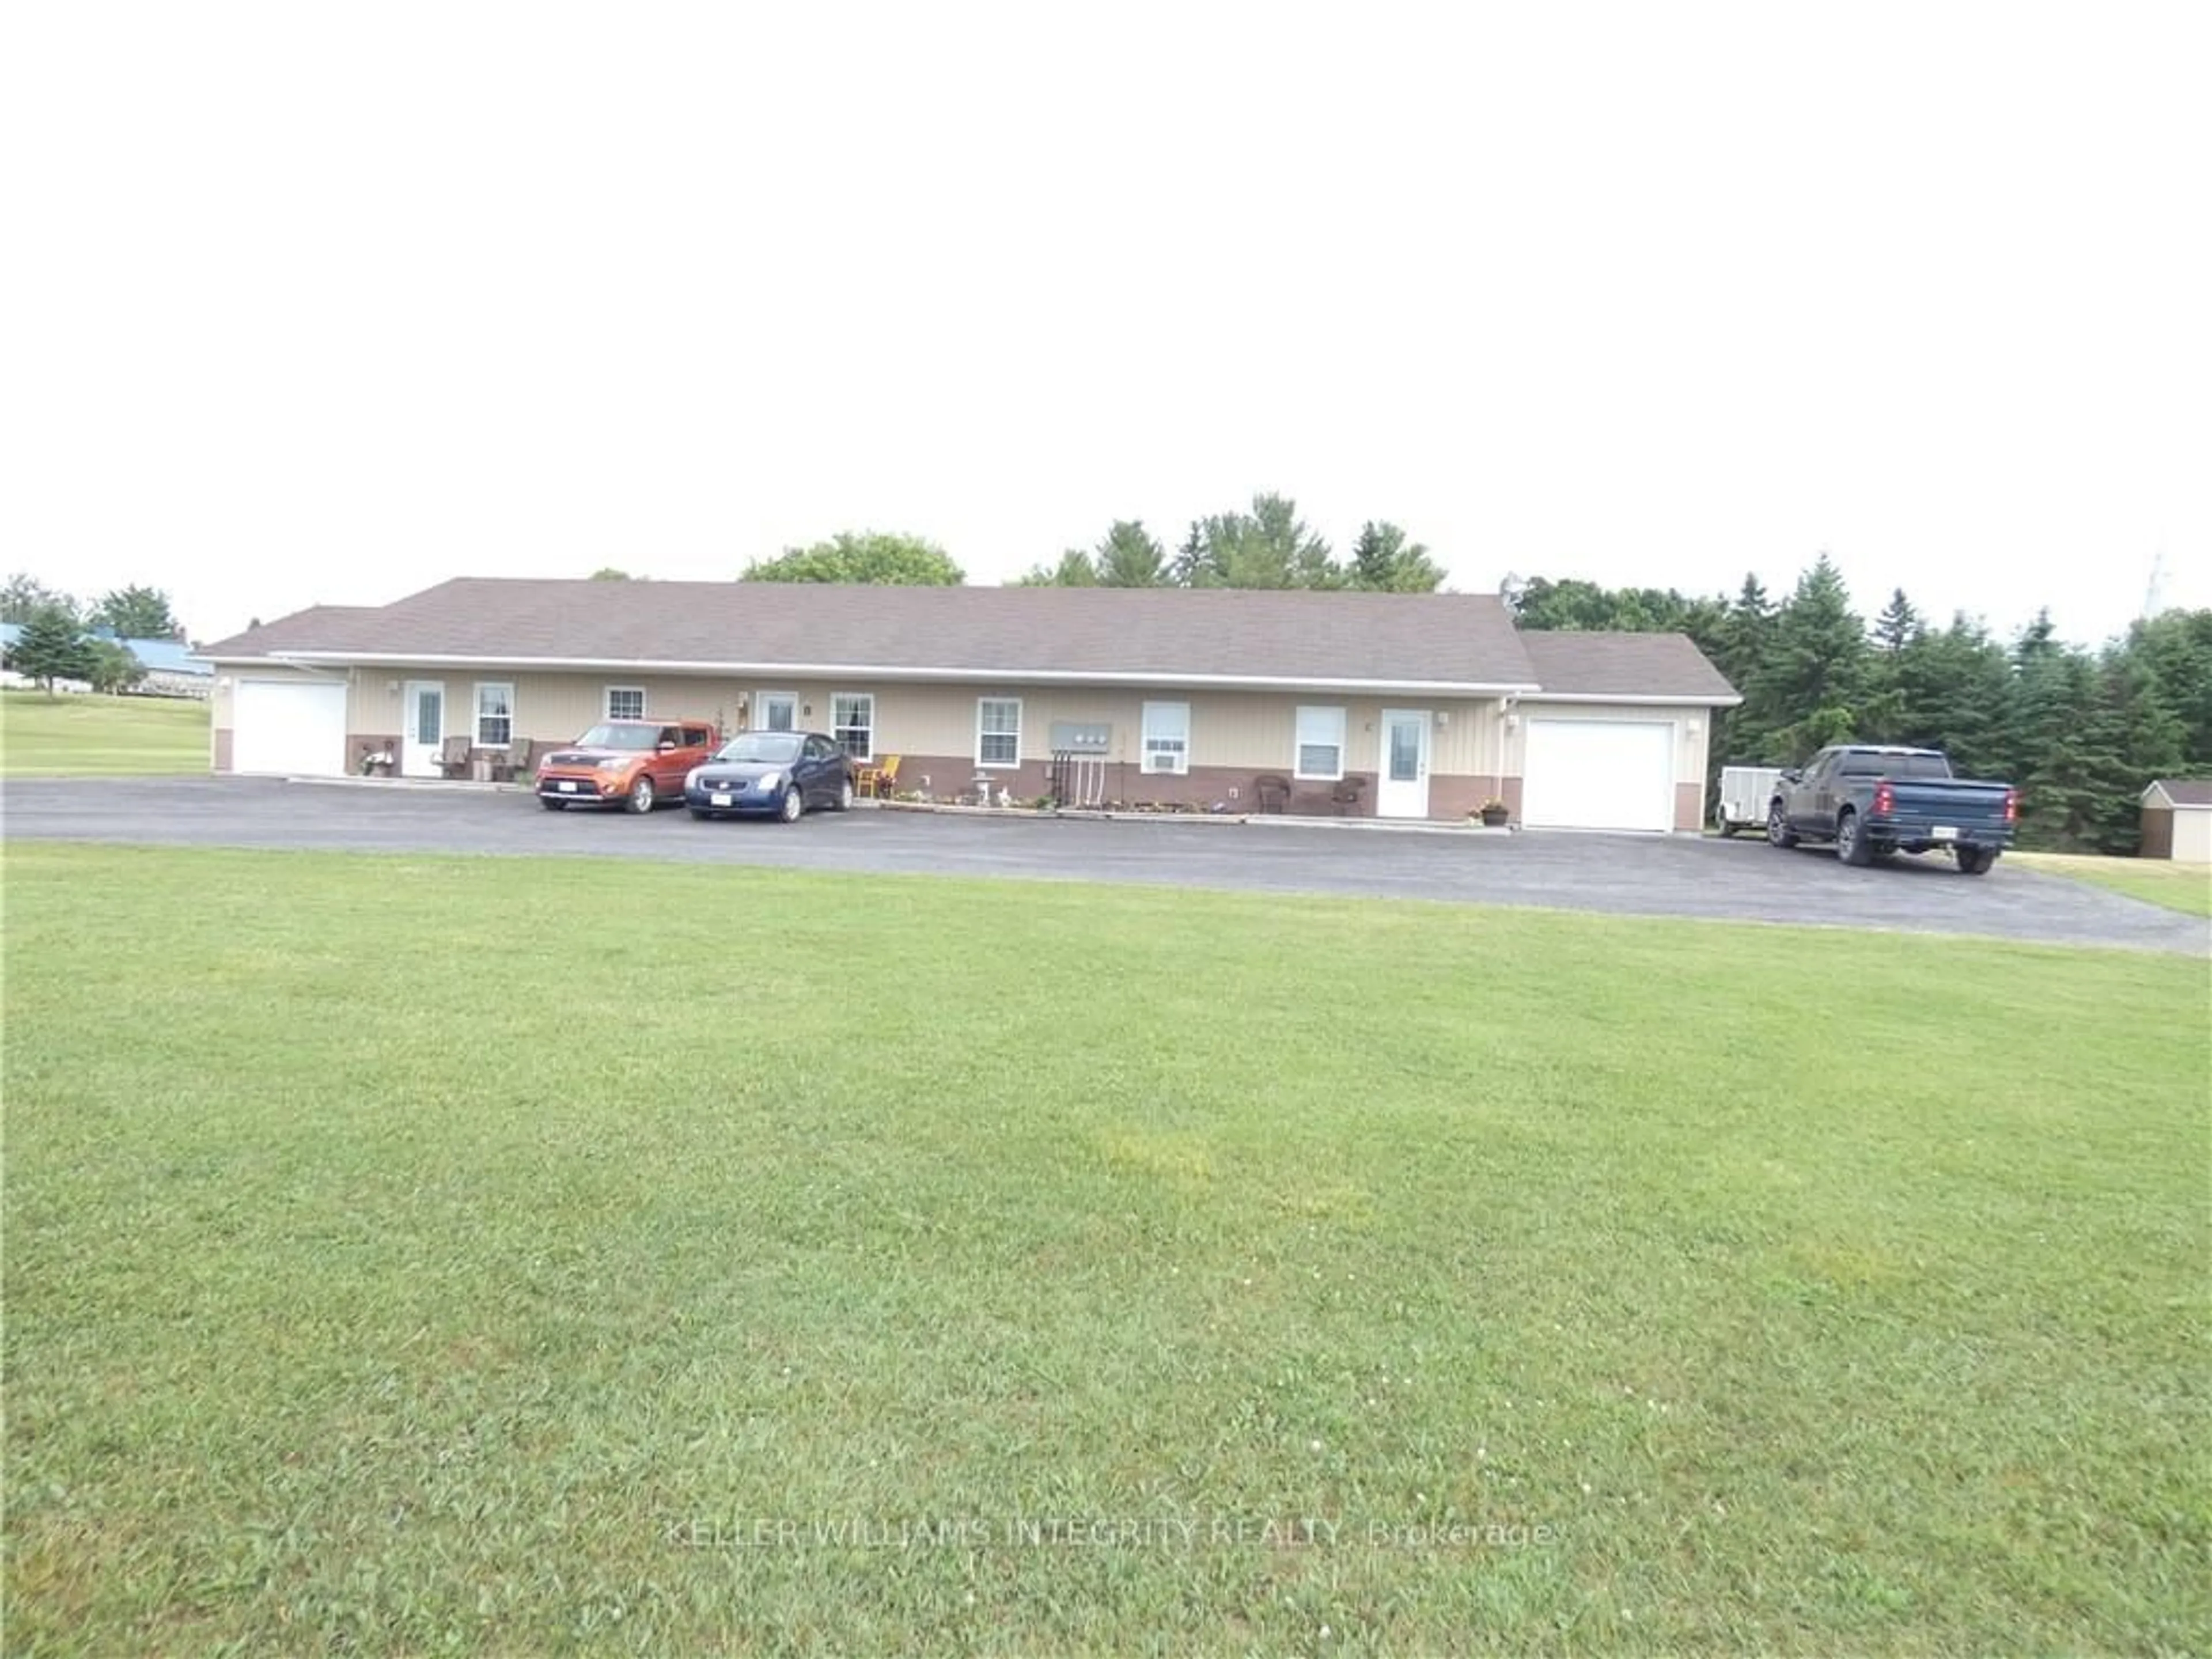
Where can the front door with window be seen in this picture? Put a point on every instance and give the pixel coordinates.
(1403, 791)
(426, 729)
(777, 711)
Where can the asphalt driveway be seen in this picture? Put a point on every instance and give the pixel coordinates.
(1740, 880)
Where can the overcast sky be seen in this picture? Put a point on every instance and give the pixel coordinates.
(311, 303)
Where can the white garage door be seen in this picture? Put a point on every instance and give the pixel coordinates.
(289, 727)
(1599, 775)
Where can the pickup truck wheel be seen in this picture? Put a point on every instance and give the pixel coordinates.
(1778, 832)
(640, 794)
(1976, 861)
(1853, 847)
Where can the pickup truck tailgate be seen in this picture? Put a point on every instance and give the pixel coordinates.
(1948, 801)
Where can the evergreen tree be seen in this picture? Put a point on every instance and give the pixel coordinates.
(1954, 689)
(1810, 688)
(2051, 740)
(51, 647)
(2174, 649)
(1384, 562)
(1899, 625)
(1131, 557)
(1894, 632)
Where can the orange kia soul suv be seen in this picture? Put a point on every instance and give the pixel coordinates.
(632, 764)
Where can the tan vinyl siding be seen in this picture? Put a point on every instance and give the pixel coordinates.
(1254, 729)
(549, 708)
(1230, 729)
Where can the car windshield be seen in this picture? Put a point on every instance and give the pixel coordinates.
(620, 736)
(760, 746)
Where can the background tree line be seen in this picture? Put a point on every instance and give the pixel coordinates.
(1269, 546)
(58, 642)
(2081, 732)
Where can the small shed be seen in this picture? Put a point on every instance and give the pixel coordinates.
(2177, 820)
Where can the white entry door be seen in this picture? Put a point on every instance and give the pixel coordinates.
(426, 729)
(779, 712)
(1403, 791)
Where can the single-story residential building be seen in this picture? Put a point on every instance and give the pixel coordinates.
(1412, 706)
(2177, 820)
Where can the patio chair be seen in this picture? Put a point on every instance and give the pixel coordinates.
(454, 758)
(1346, 796)
(878, 780)
(521, 760)
(1272, 790)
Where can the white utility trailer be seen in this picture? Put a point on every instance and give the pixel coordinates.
(1745, 792)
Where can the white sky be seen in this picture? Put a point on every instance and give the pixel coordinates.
(315, 303)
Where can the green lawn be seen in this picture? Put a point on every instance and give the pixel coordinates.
(2184, 887)
(411, 1255)
(89, 736)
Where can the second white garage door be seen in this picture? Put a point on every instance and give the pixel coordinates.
(1599, 775)
(297, 727)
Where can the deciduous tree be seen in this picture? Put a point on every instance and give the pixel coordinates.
(24, 595)
(110, 667)
(137, 613)
(1269, 546)
(868, 556)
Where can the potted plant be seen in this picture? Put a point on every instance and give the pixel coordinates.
(1493, 813)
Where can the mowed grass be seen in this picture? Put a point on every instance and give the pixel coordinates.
(414, 1255)
(92, 736)
(2184, 887)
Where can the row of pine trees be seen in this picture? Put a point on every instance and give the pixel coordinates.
(2081, 732)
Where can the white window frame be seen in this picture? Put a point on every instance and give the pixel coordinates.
(983, 732)
(1319, 725)
(477, 731)
(607, 702)
(838, 728)
(1167, 725)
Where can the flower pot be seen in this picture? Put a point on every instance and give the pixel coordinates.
(1494, 819)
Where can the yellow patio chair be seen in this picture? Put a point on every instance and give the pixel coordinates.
(877, 780)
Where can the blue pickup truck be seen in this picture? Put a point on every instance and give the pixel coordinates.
(1874, 801)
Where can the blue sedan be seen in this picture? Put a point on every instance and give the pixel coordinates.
(771, 774)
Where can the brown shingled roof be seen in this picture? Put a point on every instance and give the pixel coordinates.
(1580, 665)
(1156, 634)
(314, 629)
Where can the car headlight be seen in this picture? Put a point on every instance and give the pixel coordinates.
(691, 778)
(614, 763)
(770, 780)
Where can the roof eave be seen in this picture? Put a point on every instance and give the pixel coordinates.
(891, 674)
(1642, 699)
